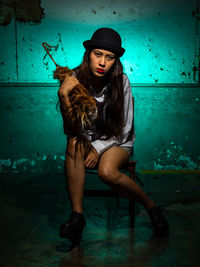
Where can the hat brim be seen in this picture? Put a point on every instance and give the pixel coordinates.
(89, 44)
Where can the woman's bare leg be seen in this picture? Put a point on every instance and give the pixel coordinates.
(72, 229)
(109, 165)
(75, 174)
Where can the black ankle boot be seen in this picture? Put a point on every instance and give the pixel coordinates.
(159, 223)
(73, 228)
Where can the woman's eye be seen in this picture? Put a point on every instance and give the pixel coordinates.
(97, 54)
(110, 57)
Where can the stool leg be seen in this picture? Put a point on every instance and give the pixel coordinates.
(117, 201)
(132, 213)
(132, 203)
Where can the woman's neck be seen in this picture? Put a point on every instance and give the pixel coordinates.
(98, 83)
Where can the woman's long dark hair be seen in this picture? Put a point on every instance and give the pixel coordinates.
(114, 99)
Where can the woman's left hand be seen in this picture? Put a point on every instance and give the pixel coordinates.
(91, 159)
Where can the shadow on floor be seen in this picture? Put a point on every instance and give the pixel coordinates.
(34, 206)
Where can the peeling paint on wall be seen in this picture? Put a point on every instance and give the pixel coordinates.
(174, 158)
(21, 10)
(41, 164)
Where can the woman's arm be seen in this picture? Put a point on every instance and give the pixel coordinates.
(66, 87)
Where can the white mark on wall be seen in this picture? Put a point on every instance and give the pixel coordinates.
(32, 163)
(188, 162)
(44, 157)
(20, 161)
(14, 165)
(5, 162)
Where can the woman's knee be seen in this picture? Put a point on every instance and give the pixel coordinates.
(108, 174)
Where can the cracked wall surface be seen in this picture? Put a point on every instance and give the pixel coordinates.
(161, 39)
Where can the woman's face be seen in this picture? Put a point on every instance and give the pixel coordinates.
(101, 61)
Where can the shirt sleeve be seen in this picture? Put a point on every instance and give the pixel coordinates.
(128, 137)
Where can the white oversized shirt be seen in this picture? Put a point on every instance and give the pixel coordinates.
(128, 137)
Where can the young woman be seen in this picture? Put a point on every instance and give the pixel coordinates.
(111, 135)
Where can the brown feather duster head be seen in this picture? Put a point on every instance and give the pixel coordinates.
(83, 105)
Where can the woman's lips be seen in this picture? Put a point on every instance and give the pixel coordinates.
(100, 70)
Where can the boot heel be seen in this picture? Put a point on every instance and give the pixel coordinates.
(75, 237)
(159, 222)
(73, 228)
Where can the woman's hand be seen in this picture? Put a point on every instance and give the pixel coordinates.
(67, 86)
(91, 159)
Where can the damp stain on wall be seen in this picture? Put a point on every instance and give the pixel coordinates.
(21, 10)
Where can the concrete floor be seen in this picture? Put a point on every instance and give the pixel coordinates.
(33, 207)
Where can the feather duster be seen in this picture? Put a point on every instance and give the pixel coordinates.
(83, 110)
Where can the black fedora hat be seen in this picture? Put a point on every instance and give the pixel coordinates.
(106, 38)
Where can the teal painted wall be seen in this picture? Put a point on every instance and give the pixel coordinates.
(162, 61)
(161, 38)
(166, 122)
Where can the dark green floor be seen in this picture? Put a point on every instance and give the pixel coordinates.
(34, 206)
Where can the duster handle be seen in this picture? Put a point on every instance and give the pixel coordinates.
(47, 50)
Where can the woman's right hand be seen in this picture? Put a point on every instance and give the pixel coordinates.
(68, 85)
(91, 159)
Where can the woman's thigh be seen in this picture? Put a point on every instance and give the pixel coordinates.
(111, 161)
